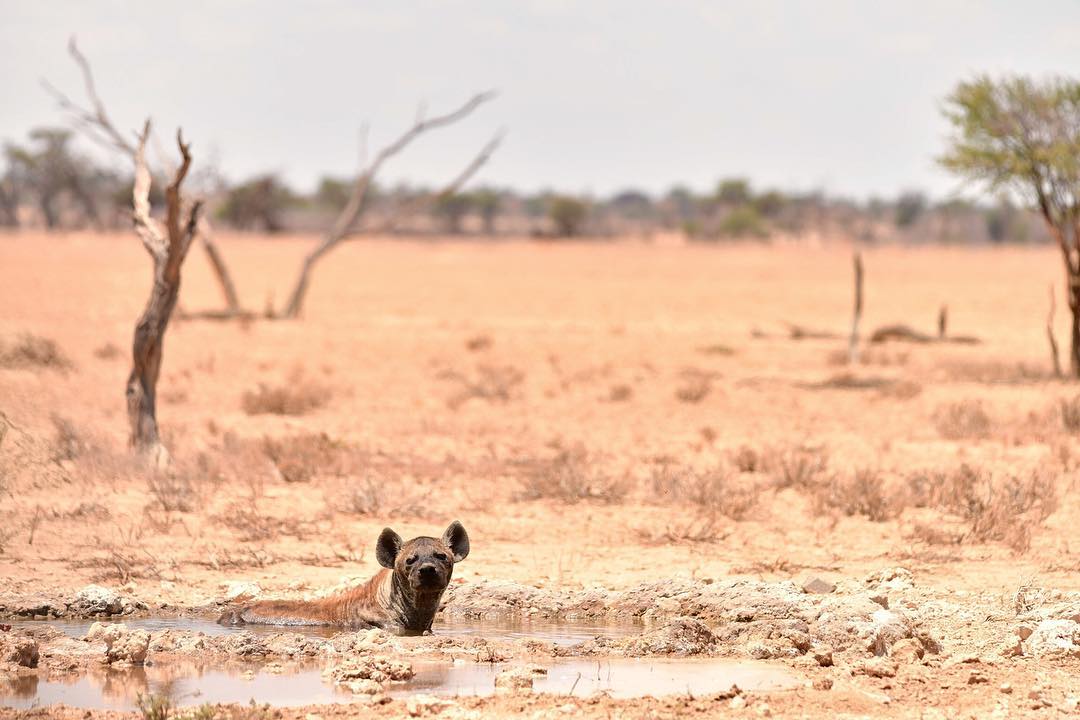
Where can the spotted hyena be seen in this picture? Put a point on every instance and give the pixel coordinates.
(401, 598)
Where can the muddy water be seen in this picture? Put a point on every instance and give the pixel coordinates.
(625, 678)
(194, 683)
(566, 633)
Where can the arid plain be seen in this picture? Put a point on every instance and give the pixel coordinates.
(602, 418)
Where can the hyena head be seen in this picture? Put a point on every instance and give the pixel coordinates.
(424, 564)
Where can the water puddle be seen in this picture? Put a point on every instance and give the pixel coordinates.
(557, 632)
(193, 682)
(621, 678)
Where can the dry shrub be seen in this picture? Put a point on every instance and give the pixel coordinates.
(799, 466)
(299, 458)
(994, 371)
(67, 442)
(33, 351)
(962, 420)
(747, 460)
(478, 343)
(494, 383)
(108, 351)
(298, 396)
(620, 393)
(711, 492)
(862, 493)
(569, 476)
(376, 495)
(252, 525)
(1004, 510)
(1070, 413)
(694, 385)
(173, 490)
(717, 349)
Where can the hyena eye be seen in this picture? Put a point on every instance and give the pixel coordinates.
(410, 560)
(440, 557)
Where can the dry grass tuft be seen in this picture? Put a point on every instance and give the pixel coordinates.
(799, 466)
(173, 490)
(963, 420)
(108, 351)
(33, 351)
(478, 343)
(694, 385)
(1070, 413)
(569, 476)
(376, 495)
(717, 349)
(996, 372)
(493, 383)
(713, 492)
(620, 393)
(861, 493)
(747, 460)
(299, 458)
(296, 397)
(1003, 510)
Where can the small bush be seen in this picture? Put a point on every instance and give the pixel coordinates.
(108, 351)
(299, 458)
(861, 493)
(747, 460)
(489, 382)
(297, 397)
(712, 492)
(569, 477)
(695, 385)
(173, 491)
(962, 420)
(620, 393)
(1070, 413)
(742, 222)
(33, 351)
(798, 467)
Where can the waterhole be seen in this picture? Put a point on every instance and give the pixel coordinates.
(193, 682)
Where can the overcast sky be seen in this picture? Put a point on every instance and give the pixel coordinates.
(596, 96)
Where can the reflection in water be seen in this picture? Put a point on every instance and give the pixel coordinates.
(190, 681)
(554, 631)
(621, 677)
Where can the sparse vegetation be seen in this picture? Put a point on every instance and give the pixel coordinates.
(298, 396)
(964, 420)
(494, 383)
(33, 351)
(569, 476)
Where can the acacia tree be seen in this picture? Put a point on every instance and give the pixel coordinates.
(1023, 135)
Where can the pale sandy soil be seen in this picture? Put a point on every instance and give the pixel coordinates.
(605, 339)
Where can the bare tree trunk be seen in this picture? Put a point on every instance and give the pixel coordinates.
(345, 224)
(856, 316)
(9, 205)
(217, 264)
(943, 322)
(1074, 308)
(98, 126)
(168, 246)
(1054, 355)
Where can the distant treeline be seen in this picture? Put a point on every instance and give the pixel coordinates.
(48, 181)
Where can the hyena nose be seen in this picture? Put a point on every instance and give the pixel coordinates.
(428, 571)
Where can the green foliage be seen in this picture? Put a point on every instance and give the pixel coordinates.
(333, 193)
(1024, 135)
(743, 222)
(452, 209)
(257, 204)
(488, 203)
(568, 214)
(771, 203)
(909, 208)
(734, 191)
(632, 204)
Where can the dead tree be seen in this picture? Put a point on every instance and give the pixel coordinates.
(1054, 355)
(346, 227)
(856, 316)
(168, 246)
(96, 124)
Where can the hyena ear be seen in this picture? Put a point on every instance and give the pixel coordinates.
(457, 540)
(387, 548)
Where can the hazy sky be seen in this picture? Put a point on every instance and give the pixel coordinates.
(596, 96)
